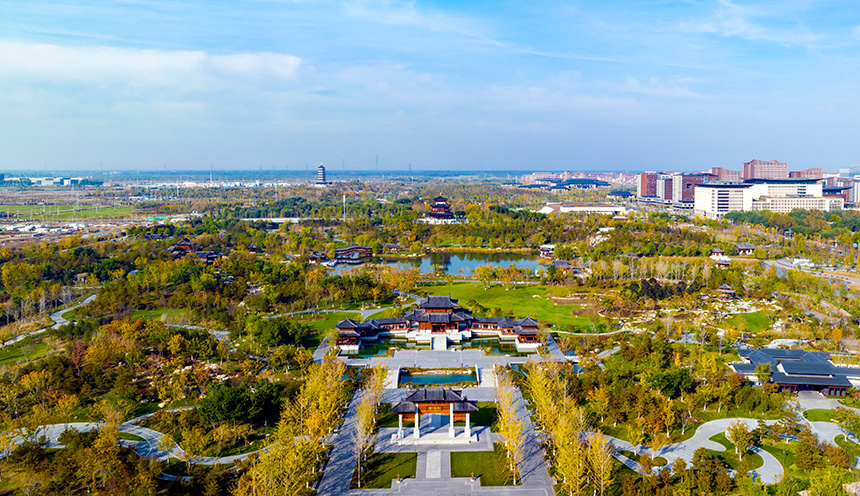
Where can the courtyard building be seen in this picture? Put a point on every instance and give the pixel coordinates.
(438, 320)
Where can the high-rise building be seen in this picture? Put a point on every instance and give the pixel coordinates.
(812, 173)
(765, 169)
(684, 185)
(849, 171)
(726, 174)
(664, 187)
(647, 184)
(715, 199)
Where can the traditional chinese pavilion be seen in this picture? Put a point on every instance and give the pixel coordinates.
(441, 209)
(435, 400)
(438, 318)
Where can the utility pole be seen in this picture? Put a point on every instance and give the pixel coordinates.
(377, 163)
(344, 208)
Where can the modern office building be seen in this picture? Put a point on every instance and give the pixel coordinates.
(715, 199)
(684, 185)
(722, 174)
(646, 186)
(812, 173)
(764, 169)
(664, 188)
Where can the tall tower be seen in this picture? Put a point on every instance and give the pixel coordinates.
(321, 174)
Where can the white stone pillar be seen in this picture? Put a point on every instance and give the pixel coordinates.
(468, 428)
(399, 426)
(415, 432)
(451, 421)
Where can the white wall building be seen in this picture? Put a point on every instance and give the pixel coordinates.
(713, 200)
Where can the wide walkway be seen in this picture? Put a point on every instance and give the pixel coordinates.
(433, 471)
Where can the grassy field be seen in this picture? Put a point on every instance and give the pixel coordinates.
(656, 462)
(749, 322)
(749, 462)
(130, 437)
(490, 466)
(524, 300)
(818, 415)
(35, 212)
(322, 323)
(26, 349)
(382, 468)
(158, 313)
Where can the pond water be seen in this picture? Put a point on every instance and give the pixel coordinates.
(493, 346)
(437, 379)
(455, 263)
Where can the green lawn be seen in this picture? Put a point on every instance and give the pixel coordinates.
(130, 437)
(850, 446)
(29, 348)
(749, 322)
(490, 466)
(382, 468)
(818, 415)
(783, 451)
(157, 313)
(656, 462)
(749, 462)
(523, 300)
(322, 323)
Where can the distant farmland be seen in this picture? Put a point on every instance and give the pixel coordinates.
(63, 212)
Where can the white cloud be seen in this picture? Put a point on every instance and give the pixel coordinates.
(751, 23)
(183, 70)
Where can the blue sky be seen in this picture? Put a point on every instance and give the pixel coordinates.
(599, 85)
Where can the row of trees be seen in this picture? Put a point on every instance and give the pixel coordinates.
(292, 457)
(582, 456)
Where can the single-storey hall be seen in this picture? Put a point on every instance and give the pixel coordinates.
(435, 317)
(799, 370)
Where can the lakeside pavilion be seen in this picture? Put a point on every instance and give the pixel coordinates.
(438, 320)
(435, 400)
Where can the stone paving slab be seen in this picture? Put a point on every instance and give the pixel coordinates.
(434, 464)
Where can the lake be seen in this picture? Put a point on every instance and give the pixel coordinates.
(455, 263)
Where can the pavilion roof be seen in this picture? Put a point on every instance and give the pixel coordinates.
(435, 395)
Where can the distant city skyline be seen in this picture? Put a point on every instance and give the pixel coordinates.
(592, 86)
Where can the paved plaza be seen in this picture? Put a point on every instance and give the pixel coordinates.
(433, 471)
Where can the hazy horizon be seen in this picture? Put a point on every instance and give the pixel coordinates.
(617, 85)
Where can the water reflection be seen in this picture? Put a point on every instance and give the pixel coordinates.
(455, 263)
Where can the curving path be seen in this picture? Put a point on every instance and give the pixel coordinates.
(58, 319)
(769, 473)
(148, 448)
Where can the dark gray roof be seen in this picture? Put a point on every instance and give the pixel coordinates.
(439, 317)
(788, 366)
(434, 394)
(745, 247)
(439, 301)
(506, 322)
(528, 322)
(348, 333)
(347, 324)
(814, 380)
(807, 368)
(391, 320)
(525, 332)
